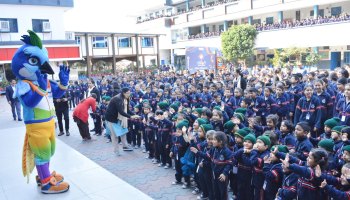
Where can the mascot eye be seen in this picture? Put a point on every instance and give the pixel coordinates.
(33, 61)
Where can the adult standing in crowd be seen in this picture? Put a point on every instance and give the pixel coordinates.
(14, 102)
(62, 108)
(239, 81)
(118, 111)
(81, 115)
(93, 89)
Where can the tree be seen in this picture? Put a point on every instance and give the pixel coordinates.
(312, 59)
(238, 42)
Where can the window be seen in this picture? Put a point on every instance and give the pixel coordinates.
(256, 21)
(320, 13)
(124, 42)
(77, 39)
(38, 25)
(12, 24)
(269, 20)
(147, 42)
(221, 27)
(335, 11)
(99, 42)
(347, 57)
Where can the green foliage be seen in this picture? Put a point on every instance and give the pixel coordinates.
(312, 59)
(295, 56)
(238, 42)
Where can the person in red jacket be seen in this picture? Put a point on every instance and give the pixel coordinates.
(81, 115)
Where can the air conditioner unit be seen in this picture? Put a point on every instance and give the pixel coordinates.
(4, 26)
(70, 36)
(46, 27)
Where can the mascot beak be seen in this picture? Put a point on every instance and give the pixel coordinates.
(46, 68)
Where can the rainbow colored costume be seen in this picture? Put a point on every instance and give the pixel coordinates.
(31, 65)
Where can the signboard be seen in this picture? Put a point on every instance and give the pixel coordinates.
(200, 58)
(220, 65)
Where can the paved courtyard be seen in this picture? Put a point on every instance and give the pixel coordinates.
(132, 167)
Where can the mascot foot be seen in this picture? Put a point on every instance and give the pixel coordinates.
(59, 178)
(53, 187)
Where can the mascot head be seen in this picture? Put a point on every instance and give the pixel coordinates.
(31, 58)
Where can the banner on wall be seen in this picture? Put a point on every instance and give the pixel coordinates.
(200, 58)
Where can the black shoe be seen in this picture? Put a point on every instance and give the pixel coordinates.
(98, 134)
(14, 119)
(127, 149)
(61, 133)
(67, 133)
(92, 130)
(19, 119)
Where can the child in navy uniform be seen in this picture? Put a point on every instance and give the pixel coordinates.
(178, 150)
(288, 191)
(261, 150)
(287, 134)
(221, 164)
(244, 172)
(344, 193)
(308, 183)
(204, 166)
(303, 145)
(273, 173)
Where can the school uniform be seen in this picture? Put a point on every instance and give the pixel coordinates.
(229, 105)
(302, 148)
(344, 112)
(164, 139)
(273, 180)
(337, 194)
(289, 140)
(288, 190)
(257, 162)
(179, 147)
(308, 183)
(244, 175)
(217, 125)
(204, 170)
(221, 163)
(309, 111)
(206, 99)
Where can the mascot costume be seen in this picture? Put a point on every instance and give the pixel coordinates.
(31, 65)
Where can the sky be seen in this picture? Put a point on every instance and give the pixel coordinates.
(106, 15)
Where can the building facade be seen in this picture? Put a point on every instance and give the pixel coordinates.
(43, 17)
(319, 24)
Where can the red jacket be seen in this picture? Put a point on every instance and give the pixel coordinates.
(81, 111)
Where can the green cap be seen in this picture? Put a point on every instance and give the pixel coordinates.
(163, 105)
(107, 98)
(265, 139)
(248, 130)
(228, 126)
(250, 137)
(241, 133)
(240, 116)
(217, 108)
(347, 148)
(201, 121)
(206, 127)
(175, 107)
(327, 144)
(332, 122)
(280, 148)
(337, 129)
(198, 110)
(182, 123)
(241, 110)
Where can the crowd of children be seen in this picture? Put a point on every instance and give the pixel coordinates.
(284, 136)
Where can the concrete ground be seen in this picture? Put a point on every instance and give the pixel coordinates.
(131, 167)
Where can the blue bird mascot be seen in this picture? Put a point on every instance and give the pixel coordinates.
(35, 91)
